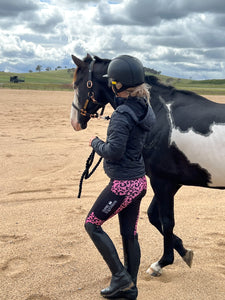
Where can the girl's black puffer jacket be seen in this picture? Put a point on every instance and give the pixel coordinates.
(122, 151)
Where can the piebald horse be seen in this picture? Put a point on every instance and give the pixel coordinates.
(185, 147)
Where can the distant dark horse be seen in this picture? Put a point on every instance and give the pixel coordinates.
(185, 147)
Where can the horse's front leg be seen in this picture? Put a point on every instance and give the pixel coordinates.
(164, 200)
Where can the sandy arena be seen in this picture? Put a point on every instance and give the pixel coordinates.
(45, 253)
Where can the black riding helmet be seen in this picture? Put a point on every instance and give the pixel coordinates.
(127, 70)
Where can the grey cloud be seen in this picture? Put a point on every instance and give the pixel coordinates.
(45, 24)
(6, 23)
(215, 6)
(206, 39)
(132, 14)
(219, 20)
(23, 53)
(137, 12)
(215, 54)
(200, 71)
(172, 41)
(12, 8)
(75, 3)
(87, 1)
(49, 40)
(146, 12)
(116, 42)
(172, 56)
(103, 16)
(172, 10)
(149, 12)
(212, 39)
(201, 67)
(14, 49)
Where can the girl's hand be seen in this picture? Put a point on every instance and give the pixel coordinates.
(91, 139)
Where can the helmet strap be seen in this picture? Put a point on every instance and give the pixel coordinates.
(118, 90)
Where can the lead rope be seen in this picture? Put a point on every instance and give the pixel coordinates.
(86, 174)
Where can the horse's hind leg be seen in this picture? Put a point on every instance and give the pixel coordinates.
(154, 218)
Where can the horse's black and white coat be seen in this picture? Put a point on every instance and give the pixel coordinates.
(198, 142)
(194, 128)
(185, 147)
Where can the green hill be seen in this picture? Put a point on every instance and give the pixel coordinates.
(47, 80)
(202, 87)
(62, 80)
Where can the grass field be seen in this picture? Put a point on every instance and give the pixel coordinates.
(48, 80)
(203, 87)
(62, 80)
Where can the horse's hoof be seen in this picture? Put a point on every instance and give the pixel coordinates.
(155, 270)
(188, 257)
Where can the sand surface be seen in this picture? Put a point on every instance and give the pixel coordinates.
(45, 253)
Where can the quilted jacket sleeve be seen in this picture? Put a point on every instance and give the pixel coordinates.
(117, 136)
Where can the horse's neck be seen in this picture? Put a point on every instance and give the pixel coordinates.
(109, 95)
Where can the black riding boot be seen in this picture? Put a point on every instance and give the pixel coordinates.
(132, 256)
(121, 280)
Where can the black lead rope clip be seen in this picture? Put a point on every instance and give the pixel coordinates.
(105, 118)
(86, 174)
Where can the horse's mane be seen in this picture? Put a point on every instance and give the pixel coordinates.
(103, 65)
(104, 60)
(155, 81)
(88, 59)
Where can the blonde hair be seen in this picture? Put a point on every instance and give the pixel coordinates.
(140, 91)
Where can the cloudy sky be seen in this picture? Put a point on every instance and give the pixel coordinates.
(180, 38)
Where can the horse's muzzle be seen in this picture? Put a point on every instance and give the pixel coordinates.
(76, 126)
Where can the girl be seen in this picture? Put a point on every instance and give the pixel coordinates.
(123, 163)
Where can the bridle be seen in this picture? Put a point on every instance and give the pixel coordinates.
(90, 96)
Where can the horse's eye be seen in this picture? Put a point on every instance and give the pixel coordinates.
(75, 85)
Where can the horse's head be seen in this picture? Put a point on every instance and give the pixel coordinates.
(91, 91)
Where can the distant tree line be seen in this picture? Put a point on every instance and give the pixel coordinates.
(152, 71)
(39, 68)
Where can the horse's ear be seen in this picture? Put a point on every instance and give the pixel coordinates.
(78, 62)
(88, 56)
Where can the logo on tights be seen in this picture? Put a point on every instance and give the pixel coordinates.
(109, 207)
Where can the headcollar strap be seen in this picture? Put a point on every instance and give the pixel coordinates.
(91, 67)
(83, 111)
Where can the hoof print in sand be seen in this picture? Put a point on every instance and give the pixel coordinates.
(12, 238)
(59, 259)
(38, 297)
(14, 266)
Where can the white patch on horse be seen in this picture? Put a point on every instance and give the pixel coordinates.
(206, 151)
(74, 112)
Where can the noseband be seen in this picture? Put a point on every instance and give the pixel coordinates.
(90, 97)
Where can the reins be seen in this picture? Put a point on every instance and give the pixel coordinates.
(86, 174)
